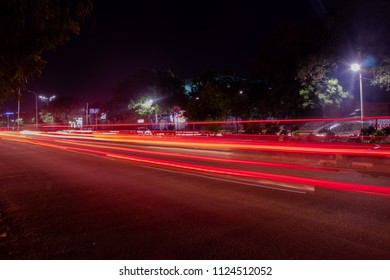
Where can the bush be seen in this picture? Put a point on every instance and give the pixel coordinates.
(367, 131)
(386, 130)
(377, 135)
(272, 128)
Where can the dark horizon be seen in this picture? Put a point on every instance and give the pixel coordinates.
(186, 39)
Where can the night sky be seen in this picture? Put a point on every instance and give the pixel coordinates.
(187, 37)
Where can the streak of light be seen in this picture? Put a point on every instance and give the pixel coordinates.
(302, 189)
(209, 158)
(346, 186)
(207, 169)
(300, 120)
(308, 148)
(324, 149)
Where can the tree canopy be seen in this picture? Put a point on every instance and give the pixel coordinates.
(218, 96)
(27, 30)
(301, 61)
(277, 65)
(318, 89)
(162, 86)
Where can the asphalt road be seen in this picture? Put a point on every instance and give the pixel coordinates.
(64, 204)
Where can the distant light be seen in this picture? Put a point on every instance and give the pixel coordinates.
(46, 99)
(355, 67)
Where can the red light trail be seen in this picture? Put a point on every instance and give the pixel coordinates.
(382, 150)
(108, 147)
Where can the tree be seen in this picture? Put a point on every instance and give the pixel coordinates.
(144, 106)
(276, 66)
(148, 91)
(64, 109)
(297, 52)
(163, 86)
(218, 96)
(318, 88)
(27, 30)
(208, 103)
(381, 75)
(358, 30)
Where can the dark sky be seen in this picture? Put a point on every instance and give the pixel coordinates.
(187, 37)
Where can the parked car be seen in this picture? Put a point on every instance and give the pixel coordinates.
(340, 129)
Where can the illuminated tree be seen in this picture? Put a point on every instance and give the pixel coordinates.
(163, 86)
(381, 75)
(298, 61)
(145, 106)
(318, 87)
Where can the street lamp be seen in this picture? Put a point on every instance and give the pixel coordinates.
(47, 100)
(8, 114)
(36, 108)
(356, 68)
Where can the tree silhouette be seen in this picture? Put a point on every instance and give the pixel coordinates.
(27, 30)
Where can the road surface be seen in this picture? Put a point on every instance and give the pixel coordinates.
(58, 203)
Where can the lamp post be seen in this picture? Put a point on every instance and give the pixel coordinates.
(356, 68)
(47, 100)
(36, 108)
(8, 114)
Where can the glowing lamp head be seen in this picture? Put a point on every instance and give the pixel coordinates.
(355, 67)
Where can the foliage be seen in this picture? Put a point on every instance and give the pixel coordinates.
(210, 103)
(218, 96)
(144, 106)
(152, 93)
(377, 135)
(213, 127)
(277, 64)
(318, 89)
(386, 130)
(65, 109)
(163, 86)
(62, 110)
(46, 117)
(297, 51)
(381, 75)
(27, 30)
(368, 130)
(272, 128)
